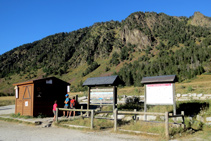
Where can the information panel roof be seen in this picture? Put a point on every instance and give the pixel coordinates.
(159, 79)
(107, 80)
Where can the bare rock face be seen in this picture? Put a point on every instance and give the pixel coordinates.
(135, 36)
(200, 20)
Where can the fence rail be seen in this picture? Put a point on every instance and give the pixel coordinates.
(166, 115)
(116, 113)
(139, 113)
(80, 110)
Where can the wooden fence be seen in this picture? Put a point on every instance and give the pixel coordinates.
(166, 115)
(79, 110)
(116, 113)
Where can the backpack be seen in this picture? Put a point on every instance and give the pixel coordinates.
(72, 103)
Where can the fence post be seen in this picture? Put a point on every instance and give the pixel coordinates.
(183, 118)
(167, 124)
(92, 119)
(115, 119)
(76, 98)
(81, 111)
(135, 116)
(57, 113)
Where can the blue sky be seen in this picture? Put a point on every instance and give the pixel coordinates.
(25, 21)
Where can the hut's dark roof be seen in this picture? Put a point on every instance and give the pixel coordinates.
(37, 80)
(107, 80)
(159, 79)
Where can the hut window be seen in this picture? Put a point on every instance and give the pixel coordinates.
(49, 81)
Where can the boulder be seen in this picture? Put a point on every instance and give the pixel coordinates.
(128, 118)
(199, 95)
(140, 117)
(185, 95)
(178, 95)
(193, 95)
(208, 118)
(151, 117)
(120, 116)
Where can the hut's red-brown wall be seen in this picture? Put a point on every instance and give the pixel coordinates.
(37, 97)
(24, 102)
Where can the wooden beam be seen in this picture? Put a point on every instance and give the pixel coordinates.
(88, 102)
(92, 119)
(139, 113)
(57, 113)
(115, 119)
(167, 125)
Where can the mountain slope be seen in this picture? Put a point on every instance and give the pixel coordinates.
(143, 44)
(200, 20)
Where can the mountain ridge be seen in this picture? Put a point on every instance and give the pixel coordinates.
(107, 47)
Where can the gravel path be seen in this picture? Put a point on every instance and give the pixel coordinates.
(15, 132)
(22, 132)
(7, 109)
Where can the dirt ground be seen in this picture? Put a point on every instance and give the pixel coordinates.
(7, 109)
(15, 131)
(23, 132)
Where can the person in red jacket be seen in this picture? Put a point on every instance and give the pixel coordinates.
(72, 106)
(54, 109)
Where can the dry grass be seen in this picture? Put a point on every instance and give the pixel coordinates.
(131, 91)
(200, 84)
(7, 100)
(146, 127)
(98, 123)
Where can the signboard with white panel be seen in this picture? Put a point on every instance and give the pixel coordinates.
(160, 94)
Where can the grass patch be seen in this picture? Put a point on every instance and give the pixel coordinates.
(18, 115)
(7, 100)
(146, 127)
(99, 124)
(15, 120)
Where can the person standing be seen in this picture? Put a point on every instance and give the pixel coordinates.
(54, 109)
(72, 106)
(66, 105)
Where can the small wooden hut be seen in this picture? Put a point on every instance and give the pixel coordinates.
(36, 97)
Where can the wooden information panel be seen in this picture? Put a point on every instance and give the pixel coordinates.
(102, 95)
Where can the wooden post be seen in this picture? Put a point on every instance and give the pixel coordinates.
(101, 106)
(92, 119)
(174, 100)
(115, 119)
(81, 111)
(114, 97)
(76, 98)
(183, 118)
(135, 116)
(167, 124)
(57, 113)
(88, 102)
(145, 104)
(174, 103)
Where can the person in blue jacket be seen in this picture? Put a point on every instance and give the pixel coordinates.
(66, 105)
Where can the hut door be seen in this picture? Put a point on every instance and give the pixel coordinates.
(27, 100)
